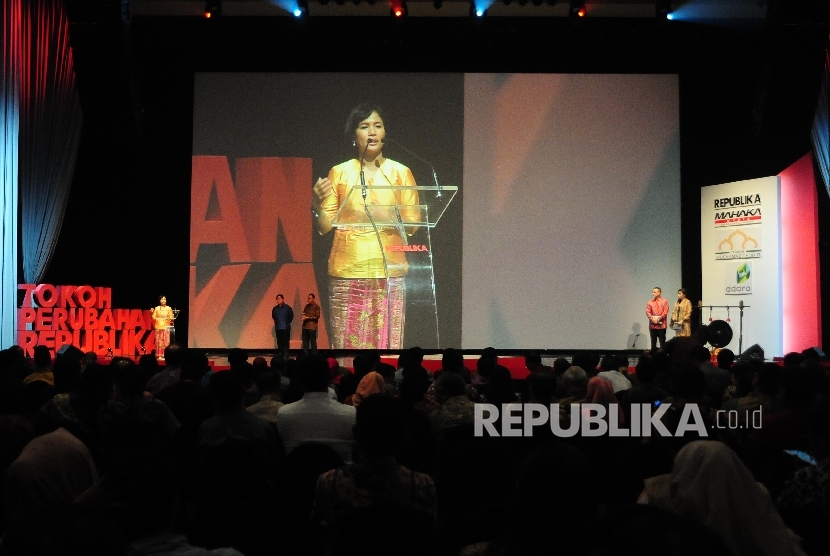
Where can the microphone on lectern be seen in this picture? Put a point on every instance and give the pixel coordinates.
(422, 159)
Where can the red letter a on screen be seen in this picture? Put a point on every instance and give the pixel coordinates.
(215, 223)
(270, 191)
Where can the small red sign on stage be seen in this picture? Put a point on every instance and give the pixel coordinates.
(407, 248)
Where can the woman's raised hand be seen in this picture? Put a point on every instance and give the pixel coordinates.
(322, 189)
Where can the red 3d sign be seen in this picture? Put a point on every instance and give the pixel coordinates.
(82, 316)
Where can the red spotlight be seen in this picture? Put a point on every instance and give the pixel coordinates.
(577, 9)
(399, 8)
(213, 8)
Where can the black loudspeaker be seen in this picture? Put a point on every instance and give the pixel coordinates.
(70, 351)
(752, 353)
(814, 353)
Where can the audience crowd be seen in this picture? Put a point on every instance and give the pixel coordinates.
(307, 457)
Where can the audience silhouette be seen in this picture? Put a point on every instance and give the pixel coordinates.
(316, 456)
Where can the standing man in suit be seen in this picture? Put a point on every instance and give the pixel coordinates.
(282, 315)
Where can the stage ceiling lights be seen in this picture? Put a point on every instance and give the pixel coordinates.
(662, 10)
(399, 9)
(213, 8)
(477, 9)
(301, 10)
(577, 10)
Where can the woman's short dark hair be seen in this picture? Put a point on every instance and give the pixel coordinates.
(683, 291)
(358, 114)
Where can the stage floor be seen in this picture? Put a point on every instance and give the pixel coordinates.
(432, 363)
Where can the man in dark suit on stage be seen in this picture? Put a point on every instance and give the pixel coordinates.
(282, 315)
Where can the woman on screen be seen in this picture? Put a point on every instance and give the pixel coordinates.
(367, 293)
(681, 316)
(162, 316)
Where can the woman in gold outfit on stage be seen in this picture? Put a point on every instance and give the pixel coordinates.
(681, 316)
(367, 289)
(162, 316)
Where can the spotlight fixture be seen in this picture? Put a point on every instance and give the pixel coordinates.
(301, 9)
(476, 11)
(577, 9)
(399, 9)
(438, 4)
(213, 8)
(506, 2)
(662, 9)
(536, 2)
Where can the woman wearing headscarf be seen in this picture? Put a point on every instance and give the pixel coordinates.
(372, 383)
(601, 391)
(711, 485)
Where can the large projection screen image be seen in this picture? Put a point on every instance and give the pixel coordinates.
(571, 208)
(508, 210)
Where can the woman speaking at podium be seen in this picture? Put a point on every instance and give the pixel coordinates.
(162, 316)
(367, 290)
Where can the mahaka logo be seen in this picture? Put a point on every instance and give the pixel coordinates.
(734, 211)
(738, 245)
(739, 283)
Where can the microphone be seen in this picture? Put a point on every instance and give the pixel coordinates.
(425, 161)
(362, 175)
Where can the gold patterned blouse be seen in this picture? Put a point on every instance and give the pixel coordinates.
(162, 317)
(356, 252)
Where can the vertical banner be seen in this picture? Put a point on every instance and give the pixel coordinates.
(800, 261)
(740, 233)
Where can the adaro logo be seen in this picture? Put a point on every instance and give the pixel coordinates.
(739, 283)
(743, 273)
